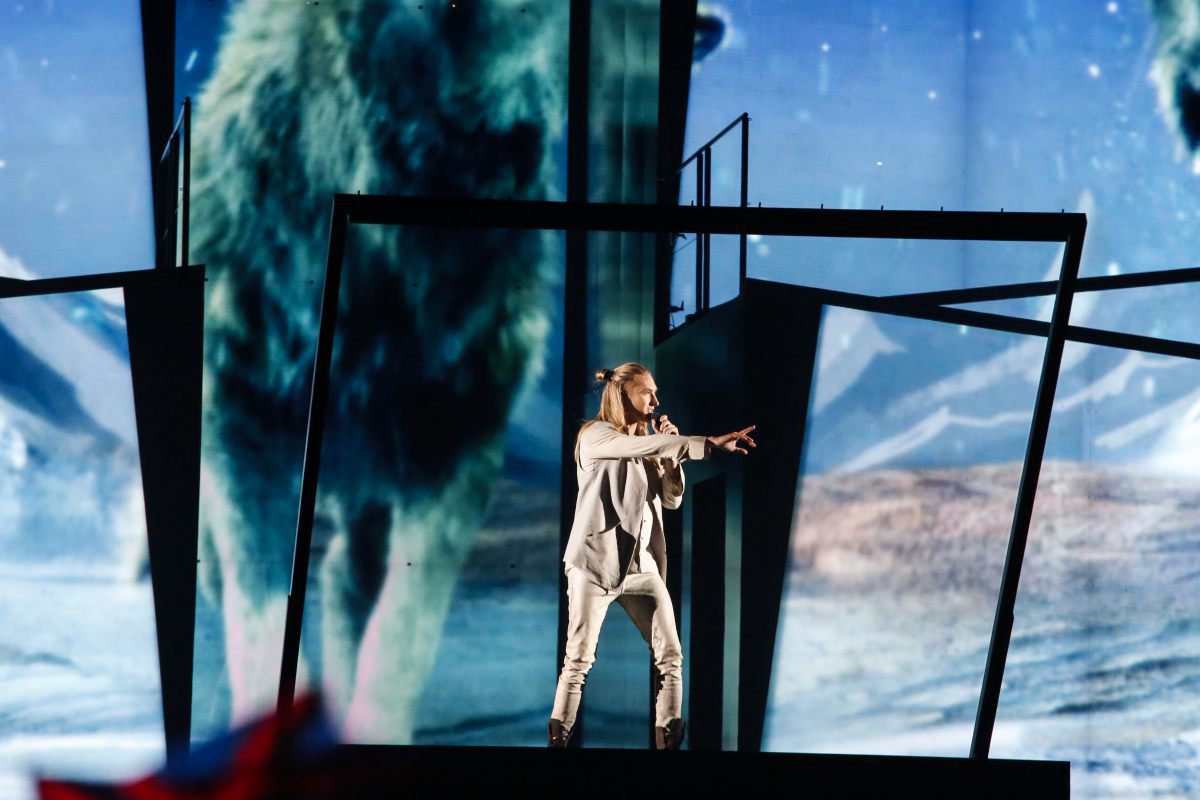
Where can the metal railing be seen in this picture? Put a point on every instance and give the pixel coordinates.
(172, 193)
(703, 159)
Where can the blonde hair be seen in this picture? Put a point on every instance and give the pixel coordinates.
(612, 399)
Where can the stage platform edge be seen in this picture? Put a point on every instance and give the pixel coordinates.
(419, 771)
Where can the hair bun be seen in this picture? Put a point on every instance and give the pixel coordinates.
(605, 375)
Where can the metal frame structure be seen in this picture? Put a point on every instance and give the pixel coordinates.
(703, 159)
(172, 193)
(581, 217)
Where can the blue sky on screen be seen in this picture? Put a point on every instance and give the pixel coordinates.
(74, 157)
(1030, 106)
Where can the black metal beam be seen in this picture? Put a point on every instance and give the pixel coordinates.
(1014, 291)
(1132, 341)
(575, 282)
(780, 326)
(185, 201)
(369, 209)
(642, 218)
(707, 236)
(745, 196)
(15, 287)
(1005, 323)
(706, 643)
(318, 402)
(701, 239)
(989, 696)
(158, 60)
(164, 313)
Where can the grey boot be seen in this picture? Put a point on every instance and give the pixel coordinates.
(556, 735)
(669, 736)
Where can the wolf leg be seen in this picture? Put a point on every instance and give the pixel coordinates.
(351, 578)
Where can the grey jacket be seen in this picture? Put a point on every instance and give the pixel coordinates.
(616, 478)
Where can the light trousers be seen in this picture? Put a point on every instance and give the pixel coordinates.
(644, 597)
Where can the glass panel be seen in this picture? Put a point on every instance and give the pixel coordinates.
(432, 606)
(78, 656)
(1104, 658)
(902, 523)
(74, 166)
(263, 178)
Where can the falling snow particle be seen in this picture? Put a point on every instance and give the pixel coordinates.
(3, 163)
(1114, 268)
(977, 35)
(1112, 8)
(824, 47)
(763, 249)
(879, 163)
(933, 94)
(191, 60)
(1094, 70)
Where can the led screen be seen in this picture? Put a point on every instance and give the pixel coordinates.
(433, 590)
(980, 106)
(74, 157)
(78, 658)
(432, 605)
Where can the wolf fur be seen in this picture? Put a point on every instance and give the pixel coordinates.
(438, 329)
(1176, 70)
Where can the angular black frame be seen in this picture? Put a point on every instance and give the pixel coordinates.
(1069, 229)
(164, 317)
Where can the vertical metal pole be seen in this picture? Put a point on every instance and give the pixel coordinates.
(161, 187)
(575, 286)
(171, 203)
(166, 203)
(700, 239)
(187, 180)
(707, 236)
(989, 696)
(312, 461)
(745, 198)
